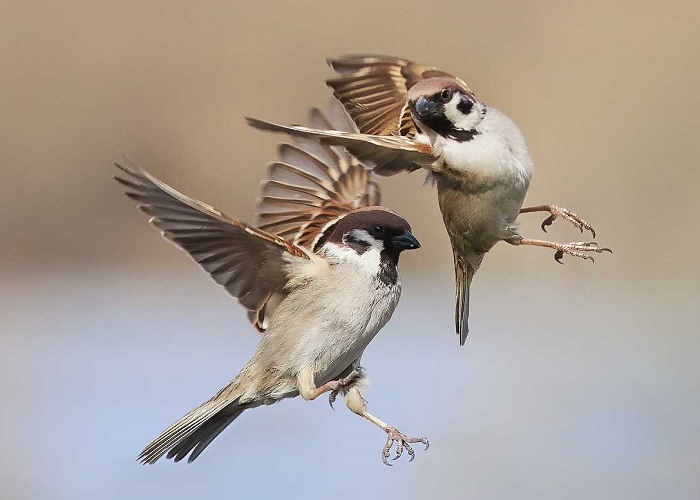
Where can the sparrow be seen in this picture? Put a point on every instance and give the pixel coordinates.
(411, 117)
(319, 295)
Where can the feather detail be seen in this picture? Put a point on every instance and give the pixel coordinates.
(374, 90)
(248, 262)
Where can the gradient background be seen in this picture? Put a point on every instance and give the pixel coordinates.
(578, 381)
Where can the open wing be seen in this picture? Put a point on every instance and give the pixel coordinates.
(248, 262)
(313, 185)
(374, 91)
(389, 154)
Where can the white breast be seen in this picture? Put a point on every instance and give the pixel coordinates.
(334, 311)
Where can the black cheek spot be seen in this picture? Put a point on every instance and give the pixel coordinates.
(356, 244)
(465, 105)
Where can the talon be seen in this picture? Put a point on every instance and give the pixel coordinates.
(385, 452)
(569, 216)
(399, 449)
(402, 443)
(411, 453)
(548, 222)
(558, 255)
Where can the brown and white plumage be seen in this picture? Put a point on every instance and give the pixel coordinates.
(374, 91)
(246, 261)
(411, 117)
(320, 302)
(312, 185)
(309, 188)
(389, 154)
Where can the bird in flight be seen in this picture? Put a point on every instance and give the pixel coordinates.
(413, 117)
(318, 276)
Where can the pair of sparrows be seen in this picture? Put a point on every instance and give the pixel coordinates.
(319, 272)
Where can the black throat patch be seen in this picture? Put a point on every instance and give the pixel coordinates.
(388, 268)
(439, 123)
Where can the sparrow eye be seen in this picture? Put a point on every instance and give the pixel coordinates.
(446, 95)
(378, 229)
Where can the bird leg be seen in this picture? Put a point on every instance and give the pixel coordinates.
(356, 402)
(352, 386)
(308, 390)
(562, 212)
(575, 249)
(307, 386)
(344, 383)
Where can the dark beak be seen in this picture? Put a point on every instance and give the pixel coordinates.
(425, 107)
(405, 241)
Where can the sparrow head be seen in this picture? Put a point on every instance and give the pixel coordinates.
(447, 107)
(374, 229)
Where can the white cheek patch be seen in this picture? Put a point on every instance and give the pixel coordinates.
(369, 261)
(459, 119)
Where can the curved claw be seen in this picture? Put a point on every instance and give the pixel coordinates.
(569, 216)
(402, 443)
(399, 450)
(558, 255)
(577, 249)
(548, 222)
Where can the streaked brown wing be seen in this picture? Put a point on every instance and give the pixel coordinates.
(248, 262)
(313, 185)
(374, 91)
(389, 154)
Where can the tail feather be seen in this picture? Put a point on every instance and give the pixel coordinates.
(464, 273)
(199, 427)
(203, 436)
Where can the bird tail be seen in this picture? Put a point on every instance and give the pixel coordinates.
(193, 432)
(464, 273)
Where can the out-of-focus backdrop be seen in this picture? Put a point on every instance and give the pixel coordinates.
(578, 381)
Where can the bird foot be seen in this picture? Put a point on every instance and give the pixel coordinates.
(339, 385)
(402, 443)
(578, 249)
(568, 215)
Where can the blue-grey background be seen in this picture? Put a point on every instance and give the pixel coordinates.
(578, 381)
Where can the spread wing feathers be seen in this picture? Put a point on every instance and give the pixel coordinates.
(313, 185)
(390, 154)
(247, 262)
(374, 91)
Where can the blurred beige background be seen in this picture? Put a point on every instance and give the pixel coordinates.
(578, 381)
